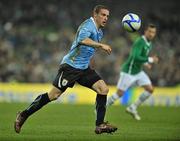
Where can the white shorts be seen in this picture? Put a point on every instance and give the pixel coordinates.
(128, 80)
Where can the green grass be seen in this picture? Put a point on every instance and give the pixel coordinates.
(57, 122)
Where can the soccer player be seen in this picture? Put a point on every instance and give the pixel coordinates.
(75, 68)
(132, 73)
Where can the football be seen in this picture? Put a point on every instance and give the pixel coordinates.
(131, 22)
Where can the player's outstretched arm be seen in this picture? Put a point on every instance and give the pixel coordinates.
(90, 42)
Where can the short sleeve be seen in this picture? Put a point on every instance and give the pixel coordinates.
(83, 33)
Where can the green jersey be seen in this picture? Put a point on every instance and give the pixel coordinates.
(138, 56)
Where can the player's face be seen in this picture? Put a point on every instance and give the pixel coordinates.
(102, 17)
(150, 33)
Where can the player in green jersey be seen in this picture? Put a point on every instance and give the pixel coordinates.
(132, 72)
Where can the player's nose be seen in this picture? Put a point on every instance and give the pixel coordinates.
(106, 18)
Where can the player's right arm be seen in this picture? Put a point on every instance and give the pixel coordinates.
(83, 37)
(90, 42)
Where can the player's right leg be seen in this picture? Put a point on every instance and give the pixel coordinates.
(125, 81)
(92, 80)
(102, 90)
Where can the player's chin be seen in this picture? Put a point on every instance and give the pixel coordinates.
(151, 38)
(103, 24)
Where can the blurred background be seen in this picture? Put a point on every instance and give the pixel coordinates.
(35, 35)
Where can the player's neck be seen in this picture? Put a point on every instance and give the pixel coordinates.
(96, 24)
(147, 39)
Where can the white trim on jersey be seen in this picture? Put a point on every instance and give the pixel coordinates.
(130, 67)
(146, 41)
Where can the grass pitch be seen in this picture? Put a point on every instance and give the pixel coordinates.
(58, 122)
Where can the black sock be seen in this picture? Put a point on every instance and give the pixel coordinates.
(100, 108)
(37, 104)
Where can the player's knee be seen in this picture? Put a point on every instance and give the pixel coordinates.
(150, 89)
(54, 96)
(120, 93)
(54, 93)
(103, 90)
(106, 90)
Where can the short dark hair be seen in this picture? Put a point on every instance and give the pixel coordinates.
(97, 8)
(150, 25)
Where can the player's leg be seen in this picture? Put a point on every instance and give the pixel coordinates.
(93, 81)
(144, 81)
(37, 104)
(148, 90)
(102, 90)
(119, 93)
(42, 100)
(60, 84)
(125, 81)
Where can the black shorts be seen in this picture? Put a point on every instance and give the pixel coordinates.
(67, 76)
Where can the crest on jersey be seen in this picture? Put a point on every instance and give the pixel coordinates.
(64, 82)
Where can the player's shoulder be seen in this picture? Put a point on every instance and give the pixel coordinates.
(138, 41)
(88, 23)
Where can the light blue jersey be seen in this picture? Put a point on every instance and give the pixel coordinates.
(79, 55)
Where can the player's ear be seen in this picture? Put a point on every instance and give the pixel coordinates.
(95, 15)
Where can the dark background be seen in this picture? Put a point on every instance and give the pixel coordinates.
(36, 34)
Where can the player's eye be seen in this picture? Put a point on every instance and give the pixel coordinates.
(103, 14)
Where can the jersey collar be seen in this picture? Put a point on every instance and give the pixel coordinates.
(145, 39)
(94, 23)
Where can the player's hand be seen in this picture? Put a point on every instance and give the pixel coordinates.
(155, 59)
(107, 48)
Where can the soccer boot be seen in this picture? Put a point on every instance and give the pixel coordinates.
(20, 119)
(105, 128)
(132, 111)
